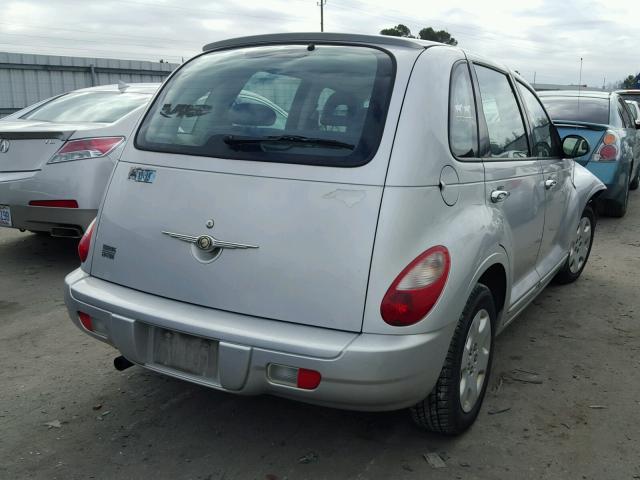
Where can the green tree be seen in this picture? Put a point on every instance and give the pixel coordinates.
(441, 36)
(629, 82)
(399, 30)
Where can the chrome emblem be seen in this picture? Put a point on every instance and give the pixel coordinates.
(208, 243)
(4, 145)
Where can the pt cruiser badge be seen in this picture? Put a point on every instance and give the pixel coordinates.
(208, 243)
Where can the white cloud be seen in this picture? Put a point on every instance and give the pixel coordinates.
(547, 37)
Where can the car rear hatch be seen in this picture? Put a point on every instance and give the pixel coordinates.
(592, 132)
(297, 214)
(27, 145)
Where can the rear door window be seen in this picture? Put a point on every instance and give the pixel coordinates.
(507, 134)
(99, 107)
(546, 142)
(463, 126)
(320, 105)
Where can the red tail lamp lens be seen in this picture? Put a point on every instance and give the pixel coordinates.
(85, 242)
(608, 152)
(54, 203)
(308, 379)
(416, 290)
(86, 148)
(85, 320)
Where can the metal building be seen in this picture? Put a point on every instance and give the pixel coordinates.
(26, 78)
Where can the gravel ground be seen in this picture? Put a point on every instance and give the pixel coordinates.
(563, 400)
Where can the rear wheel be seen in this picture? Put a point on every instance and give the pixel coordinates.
(635, 182)
(455, 401)
(617, 208)
(580, 248)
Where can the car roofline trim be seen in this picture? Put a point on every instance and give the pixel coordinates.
(310, 37)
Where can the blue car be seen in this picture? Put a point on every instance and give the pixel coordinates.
(604, 119)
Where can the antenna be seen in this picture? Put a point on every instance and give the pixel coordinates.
(122, 86)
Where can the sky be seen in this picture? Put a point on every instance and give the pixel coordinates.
(542, 39)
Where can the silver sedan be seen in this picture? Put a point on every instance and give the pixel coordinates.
(56, 156)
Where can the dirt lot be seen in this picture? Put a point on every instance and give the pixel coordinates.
(564, 398)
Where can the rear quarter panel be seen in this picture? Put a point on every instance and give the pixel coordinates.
(413, 214)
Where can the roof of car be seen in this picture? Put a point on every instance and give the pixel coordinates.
(574, 93)
(304, 37)
(149, 88)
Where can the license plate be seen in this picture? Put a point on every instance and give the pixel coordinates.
(185, 353)
(5, 216)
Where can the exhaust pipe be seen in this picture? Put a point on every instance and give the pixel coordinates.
(121, 363)
(66, 232)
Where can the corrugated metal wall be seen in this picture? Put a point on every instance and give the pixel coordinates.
(26, 79)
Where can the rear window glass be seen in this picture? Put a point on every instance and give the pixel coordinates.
(320, 105)
(100, 107)
(578, 109)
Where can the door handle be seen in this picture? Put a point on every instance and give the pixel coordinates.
(550, 183)
(499, 195)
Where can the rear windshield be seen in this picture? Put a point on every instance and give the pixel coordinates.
(578, 109)
(100, 107)
(309, 104)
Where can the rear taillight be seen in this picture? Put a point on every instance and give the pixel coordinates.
(609, 148)
(293, 376)
(54, 203)
(86, 148)
(416, 290)
(85, 242)
(85, 320)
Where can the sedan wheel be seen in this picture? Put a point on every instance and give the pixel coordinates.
(454, 403)
(475, 359)
(580, 248)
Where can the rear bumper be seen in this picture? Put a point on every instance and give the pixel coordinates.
(83, 181)
(359, 371)
(57, 221)
(613, 175)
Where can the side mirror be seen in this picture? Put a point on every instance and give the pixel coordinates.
(575, 146)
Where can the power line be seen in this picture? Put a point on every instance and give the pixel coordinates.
(35, 26)
(49, 37)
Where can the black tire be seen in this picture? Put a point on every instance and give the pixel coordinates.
(613, 208)
(635, 182)
(442, 411)
(566, 275)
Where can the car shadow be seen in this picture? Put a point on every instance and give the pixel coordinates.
(22, 251)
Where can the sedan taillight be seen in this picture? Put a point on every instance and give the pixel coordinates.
(416, 290)
(609, 148)
(86, 148)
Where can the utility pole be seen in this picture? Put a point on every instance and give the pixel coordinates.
(534, 79)
(321, 4)
(580, 79)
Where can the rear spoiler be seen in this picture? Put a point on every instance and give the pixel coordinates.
(585, 125)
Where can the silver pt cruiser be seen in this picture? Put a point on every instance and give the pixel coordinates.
(361, 251)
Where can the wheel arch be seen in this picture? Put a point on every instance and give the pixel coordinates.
(493, 272)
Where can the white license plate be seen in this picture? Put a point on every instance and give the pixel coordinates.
(186, 353)
(5, 216)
